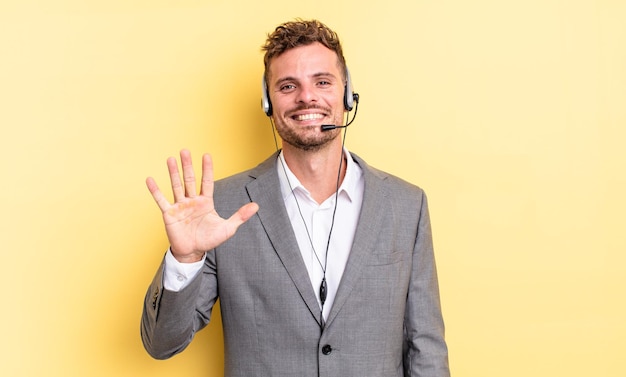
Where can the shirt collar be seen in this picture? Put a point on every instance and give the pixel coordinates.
(290, 183)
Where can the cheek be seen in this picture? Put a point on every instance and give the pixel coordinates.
(282, 104)
(338, 102)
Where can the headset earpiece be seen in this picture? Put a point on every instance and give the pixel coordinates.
(348, 94)
(265, 99)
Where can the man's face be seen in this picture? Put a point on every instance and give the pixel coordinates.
(306, 88)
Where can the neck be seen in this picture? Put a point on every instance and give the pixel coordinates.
(317, 170)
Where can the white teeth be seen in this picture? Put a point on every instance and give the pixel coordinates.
(309, 116)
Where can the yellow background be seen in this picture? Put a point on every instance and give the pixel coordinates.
(510, 114)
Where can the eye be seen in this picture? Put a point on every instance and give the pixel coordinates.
(287, 87)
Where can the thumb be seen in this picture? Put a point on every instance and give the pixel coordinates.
(243, 214)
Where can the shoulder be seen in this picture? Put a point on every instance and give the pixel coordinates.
(392, 185)
(230, 193)
(241, 179)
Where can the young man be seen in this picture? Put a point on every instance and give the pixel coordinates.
(324, 266)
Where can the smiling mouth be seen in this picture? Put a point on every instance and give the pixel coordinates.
(305, 117)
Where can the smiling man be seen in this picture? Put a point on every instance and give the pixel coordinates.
(323, 265)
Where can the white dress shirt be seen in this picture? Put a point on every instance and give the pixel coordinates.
(318, 219)
(311, 223)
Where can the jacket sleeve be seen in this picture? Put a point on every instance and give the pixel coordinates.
(170, 320)
(425, 350)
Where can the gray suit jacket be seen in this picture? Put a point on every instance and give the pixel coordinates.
(385, 321)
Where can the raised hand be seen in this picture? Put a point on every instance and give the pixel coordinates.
(191, 222)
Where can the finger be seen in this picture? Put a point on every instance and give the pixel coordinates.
(188, 175)
(177, 186)
(206, 187)
(157, 195)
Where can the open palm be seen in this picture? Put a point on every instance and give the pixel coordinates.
(191, 222)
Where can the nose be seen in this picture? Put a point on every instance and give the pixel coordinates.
(307, 94)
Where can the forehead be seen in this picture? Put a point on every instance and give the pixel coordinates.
(304, 61)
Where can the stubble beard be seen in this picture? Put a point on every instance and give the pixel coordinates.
(309, 140)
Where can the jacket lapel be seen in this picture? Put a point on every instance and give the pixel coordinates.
(365, 236)
(265, 191)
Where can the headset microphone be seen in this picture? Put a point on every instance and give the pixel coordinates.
(328, 127)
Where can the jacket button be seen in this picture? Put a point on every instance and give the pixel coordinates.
(327, 349)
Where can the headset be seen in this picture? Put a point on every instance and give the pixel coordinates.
(350, 101)
(349, 97)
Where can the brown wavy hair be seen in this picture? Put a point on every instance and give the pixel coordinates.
(301, 33)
